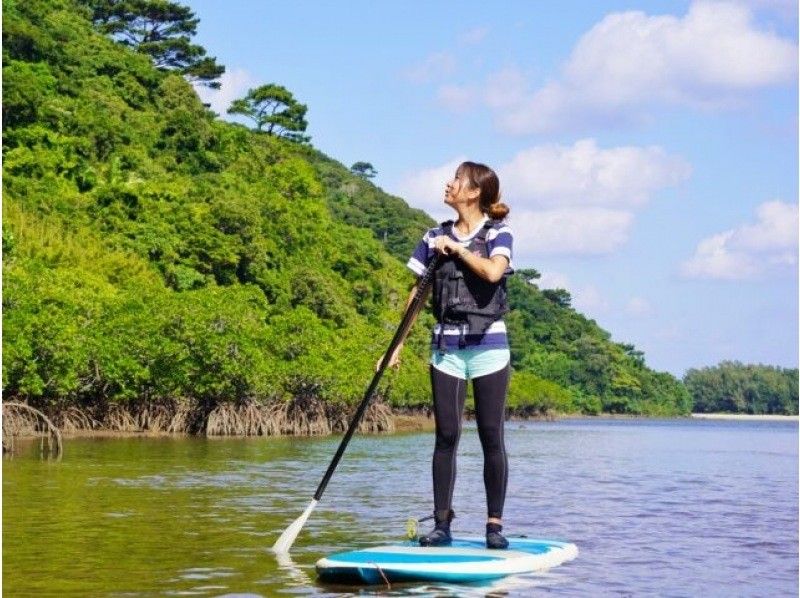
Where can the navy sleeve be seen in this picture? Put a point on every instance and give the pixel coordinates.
(500, 241)
(423, 253)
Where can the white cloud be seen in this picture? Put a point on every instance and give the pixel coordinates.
(584, 174)
(776, 229)
(433, 67)
(630, 62)
(751, 250)
(713, 259)
(587, 298)
(575, 231)
(234, 84)
(473, 36)
(576, 199)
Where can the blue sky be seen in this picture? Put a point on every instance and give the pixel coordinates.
(648, 151)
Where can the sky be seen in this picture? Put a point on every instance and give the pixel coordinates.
(648, 150)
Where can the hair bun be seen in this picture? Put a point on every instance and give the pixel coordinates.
(498, 210)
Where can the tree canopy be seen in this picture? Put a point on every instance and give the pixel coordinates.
(162, 30)
(274, 110)
(364, 170)
(735, 387)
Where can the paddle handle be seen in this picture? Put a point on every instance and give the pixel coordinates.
(402, 329)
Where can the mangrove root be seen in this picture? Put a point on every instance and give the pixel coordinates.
(20, 419)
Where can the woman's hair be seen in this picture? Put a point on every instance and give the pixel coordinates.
(484, 178)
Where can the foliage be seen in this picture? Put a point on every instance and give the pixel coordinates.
(531, 395)
(154, 252)
(273, 106)
(734, 387)
(159, 29)
(560, 297)
(364, 170)
(358, 202)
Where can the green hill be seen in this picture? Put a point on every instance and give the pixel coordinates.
(550, 341)
(165, 268)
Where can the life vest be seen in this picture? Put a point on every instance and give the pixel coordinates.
(463, 300)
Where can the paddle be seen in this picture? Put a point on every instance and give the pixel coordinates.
(290, 534)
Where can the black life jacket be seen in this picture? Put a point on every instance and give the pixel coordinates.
(461, 298)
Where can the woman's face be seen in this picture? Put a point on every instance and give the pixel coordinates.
(458, 191)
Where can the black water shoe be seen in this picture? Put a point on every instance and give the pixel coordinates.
(494, 539)
(440, 536)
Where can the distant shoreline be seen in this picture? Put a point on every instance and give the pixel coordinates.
(745, 417)
(419, 422)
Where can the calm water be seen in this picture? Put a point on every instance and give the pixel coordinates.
(669, 508)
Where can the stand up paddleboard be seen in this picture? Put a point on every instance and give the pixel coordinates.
(466, 560)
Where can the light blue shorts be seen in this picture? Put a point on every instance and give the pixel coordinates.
(470, 363)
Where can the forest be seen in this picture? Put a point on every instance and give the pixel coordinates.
(164, 268)
(734, 387)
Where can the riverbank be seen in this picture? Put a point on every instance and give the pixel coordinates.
(381, 420)
(377, 420)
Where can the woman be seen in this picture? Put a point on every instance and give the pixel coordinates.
(469, 340)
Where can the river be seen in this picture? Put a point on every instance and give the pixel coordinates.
(656, 507)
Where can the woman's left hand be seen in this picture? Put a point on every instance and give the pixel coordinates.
(446, 245)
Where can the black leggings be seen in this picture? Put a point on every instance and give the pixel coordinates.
(449, 393)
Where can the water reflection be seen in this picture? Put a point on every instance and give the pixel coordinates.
(654, 507)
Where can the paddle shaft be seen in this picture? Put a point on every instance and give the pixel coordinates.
(408, 317)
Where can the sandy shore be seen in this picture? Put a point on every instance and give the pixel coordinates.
(745, 417)
(413, 423)
(421, 423)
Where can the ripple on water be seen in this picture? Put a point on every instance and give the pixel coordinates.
(205, 573)
(717, 515)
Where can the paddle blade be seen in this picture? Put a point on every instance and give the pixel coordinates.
(290, 534)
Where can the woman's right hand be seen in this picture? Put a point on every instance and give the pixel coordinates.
(394, 362)
(445, 245)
